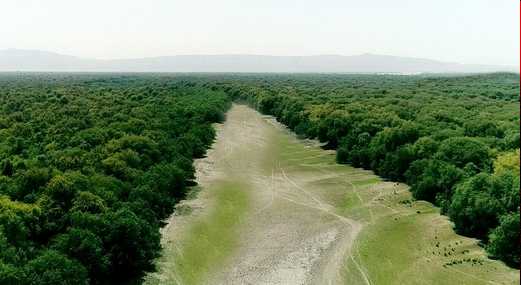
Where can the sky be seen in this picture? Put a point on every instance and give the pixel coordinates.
(465, 31)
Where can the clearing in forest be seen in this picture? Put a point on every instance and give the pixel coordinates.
(273, 209)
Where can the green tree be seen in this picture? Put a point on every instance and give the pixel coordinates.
(85, 247)
(507, 161)
(54, 268)
(11, 274)
(474, 209)
(482, 128)
(63, 188)
(429, 177)
(131, 243)
(7, 168)
(30, 182)
(462, 150)
(88, 202)
(504, 240)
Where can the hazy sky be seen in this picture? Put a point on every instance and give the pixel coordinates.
(467, 31)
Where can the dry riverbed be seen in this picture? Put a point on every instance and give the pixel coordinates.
(272, 209)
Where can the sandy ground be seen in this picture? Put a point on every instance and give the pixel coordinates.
(290, 236)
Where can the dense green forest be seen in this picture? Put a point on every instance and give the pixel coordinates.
(90, 166)
(453, 139)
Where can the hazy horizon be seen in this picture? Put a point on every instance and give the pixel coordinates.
(470, 32)
(246, 54)
(36, 60)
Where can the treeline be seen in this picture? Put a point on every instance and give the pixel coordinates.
(90, 166)
(453, 139)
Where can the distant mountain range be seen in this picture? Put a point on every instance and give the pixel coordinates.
(35, 60)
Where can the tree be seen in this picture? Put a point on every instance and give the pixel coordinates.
(131, 243)
(396, 163)
(342, 154)
(85, 247)
(54, 268)
(429, 177)
(62, 188)
(462, 150)
(507, 161)
(7, 168)
(482, 128)
(166, 178)
(425, 147)
(474, 209)
(88, 202)
(504, 239)
(11, 274)
(30, 181)
(18, 221)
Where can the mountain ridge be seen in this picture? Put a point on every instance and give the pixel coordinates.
(38, 60)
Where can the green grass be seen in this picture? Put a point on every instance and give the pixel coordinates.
(417, 248)
(210, 239)
(367, 181)
(414, 244)
(401, 243)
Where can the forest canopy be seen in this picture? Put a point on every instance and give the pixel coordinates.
(90, 166)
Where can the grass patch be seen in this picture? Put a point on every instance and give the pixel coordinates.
(416, 248)
(183, 210)
(212, 238)
(367, 181)
(192, 192)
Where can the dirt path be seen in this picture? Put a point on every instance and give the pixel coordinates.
(290, 236)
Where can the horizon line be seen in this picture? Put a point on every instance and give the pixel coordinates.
(252, 54)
